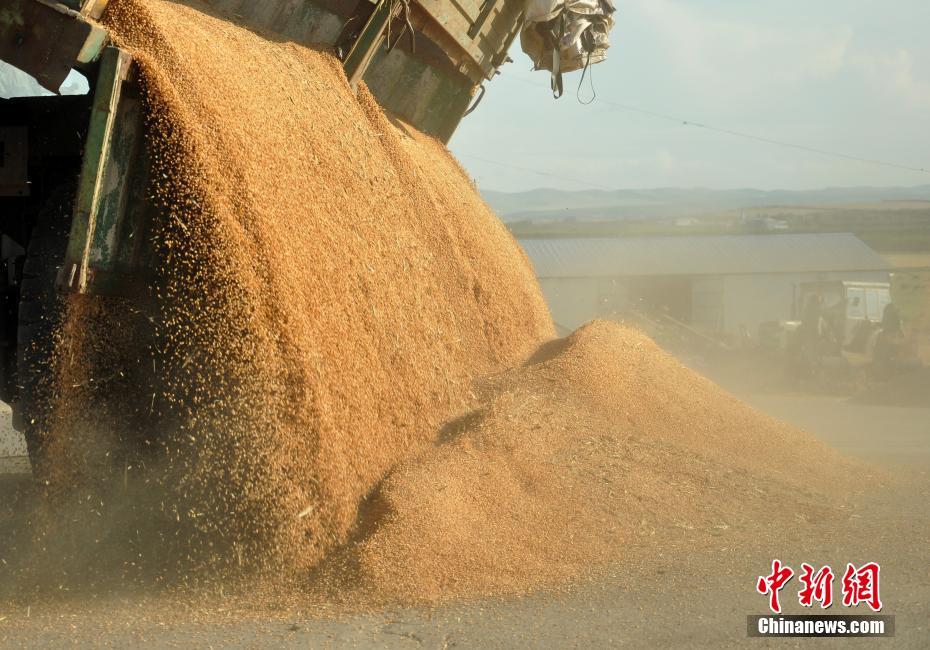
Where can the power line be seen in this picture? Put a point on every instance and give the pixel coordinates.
(751, 136)
(759, 138)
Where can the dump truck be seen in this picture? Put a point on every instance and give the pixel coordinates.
(74, 213)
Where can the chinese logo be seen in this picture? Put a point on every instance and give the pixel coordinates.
(860, 585)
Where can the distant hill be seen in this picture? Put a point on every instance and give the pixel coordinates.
(594, 205)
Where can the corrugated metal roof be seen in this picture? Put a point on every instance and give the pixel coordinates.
(701, 255)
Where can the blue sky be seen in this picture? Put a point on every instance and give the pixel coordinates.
(851, 76)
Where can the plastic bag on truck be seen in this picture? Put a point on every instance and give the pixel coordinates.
(566, 35)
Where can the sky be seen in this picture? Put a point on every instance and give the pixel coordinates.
(16, 83)
(847, 76)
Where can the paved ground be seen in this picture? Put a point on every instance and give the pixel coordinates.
(703, 604)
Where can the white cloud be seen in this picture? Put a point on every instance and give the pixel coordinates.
(894, 74)
(721, 54)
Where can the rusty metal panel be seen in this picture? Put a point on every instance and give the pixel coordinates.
(429, 98)
(456, 20)
(46, 42)
(14, 161)
(499, 29)
(482, 29)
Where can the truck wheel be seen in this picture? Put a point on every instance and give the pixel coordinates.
(40, 315)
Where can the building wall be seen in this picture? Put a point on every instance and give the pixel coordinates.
(720, 304)
(572, 301)
(708, 300)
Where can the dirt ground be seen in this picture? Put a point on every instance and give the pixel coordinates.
(701, 604)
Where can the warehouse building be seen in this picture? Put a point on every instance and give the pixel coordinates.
(724, 285)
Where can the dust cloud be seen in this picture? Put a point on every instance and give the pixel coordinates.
(351, 381)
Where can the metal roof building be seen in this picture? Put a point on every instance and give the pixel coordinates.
(725, 285)
(701, 255)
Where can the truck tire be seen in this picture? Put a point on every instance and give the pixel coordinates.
(40, 315)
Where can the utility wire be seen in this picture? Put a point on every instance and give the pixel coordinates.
(751, 136)
(759, 138)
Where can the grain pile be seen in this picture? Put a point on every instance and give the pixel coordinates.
(338, 306)
(331, 283)
(601, 449)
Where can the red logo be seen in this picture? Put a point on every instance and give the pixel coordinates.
(817, 587)
(773, 583)
(860, 585)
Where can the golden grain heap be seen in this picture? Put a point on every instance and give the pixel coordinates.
(330, 282)
(602, 451)
(354, 361)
